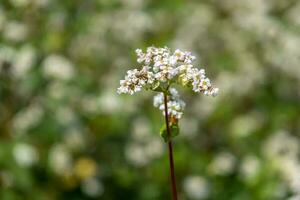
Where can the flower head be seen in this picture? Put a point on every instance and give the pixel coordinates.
(175, 104)
(161, 67)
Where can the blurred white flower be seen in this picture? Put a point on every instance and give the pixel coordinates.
(90, 104)
(7, 54)
(65, 115)
(57, 90)
(249, 167)
(109, 103)
(20, 3)
(281, 145)
(41, 3)
(136, 154)
(154, 148)
(57, 66)
(137, 4)
(294, 197)
(92, 187)
(60, 159)
(289, 168)
(282, 149)
(190, 125)
(25, 59)
(74, 139)
(25, 154)
(222, 164)
(246, 124)
(15, 31)
(196, 187)
(27, 118)
(141, 129)
(133, 25)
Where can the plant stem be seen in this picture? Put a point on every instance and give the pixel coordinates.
(170, 146)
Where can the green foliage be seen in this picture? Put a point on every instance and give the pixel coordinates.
(174, 129)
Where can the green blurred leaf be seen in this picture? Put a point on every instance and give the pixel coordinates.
(174, 128)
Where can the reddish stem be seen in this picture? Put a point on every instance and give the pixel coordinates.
(170, 147)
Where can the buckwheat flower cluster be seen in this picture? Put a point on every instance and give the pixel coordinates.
(175, 104)
(161, 67)
(135, 80)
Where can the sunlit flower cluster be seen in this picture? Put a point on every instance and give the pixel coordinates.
(175, 104)
(162, 67)
(135, 80)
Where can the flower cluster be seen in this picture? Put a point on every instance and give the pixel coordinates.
(175, 104)
(162, 67)
(135, 80)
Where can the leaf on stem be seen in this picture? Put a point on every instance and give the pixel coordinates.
(174, 128)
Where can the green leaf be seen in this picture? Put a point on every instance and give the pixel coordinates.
(174, 128)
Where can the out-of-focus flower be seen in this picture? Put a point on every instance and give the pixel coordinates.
(294, 197)
(90, 104)
(136, 154)
(141, 129)
(25, 59)
(154, 148)
(281, 145)
(92, 187)
(20, 3)
(109, 103)
(27, 118)
(249, 167)
(222, 164)
(190, 125)
(60, 159)
(65, 115)
(242, 126)
(15, 31)
(7, 54)
(25, 154)
(282, 149)
(57, 66)
(74, 139)
(196, 187)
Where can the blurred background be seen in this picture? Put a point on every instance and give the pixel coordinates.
(66, 134)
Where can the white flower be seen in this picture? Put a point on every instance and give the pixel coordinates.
(25, 59)
(196, 187)
(161, 65)
(92, 187)
(175, 104)
(222, 164)
(57, 66)
(135, 80)
(161, 68)
(25, 154)
(15, 31)
(60, 159)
